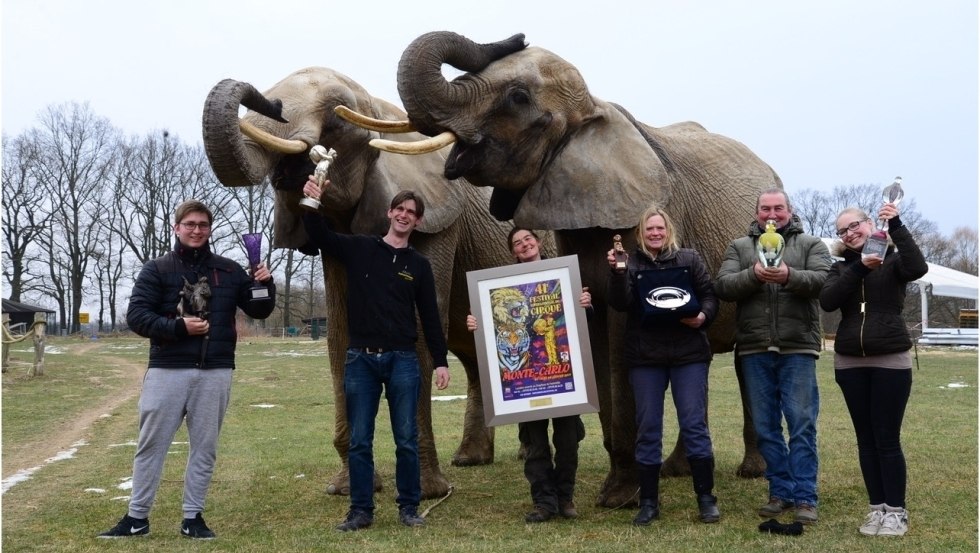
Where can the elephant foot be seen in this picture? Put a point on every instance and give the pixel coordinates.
(675, 465)
(469, 460)
(340, 483)
(434, 485)
(753, 466)
(473, 452)
(619, 490)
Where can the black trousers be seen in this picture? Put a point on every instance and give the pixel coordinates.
(876, 399)
(552, 480)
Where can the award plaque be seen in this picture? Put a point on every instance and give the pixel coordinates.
(323, 158)
(619, 253)
(877, 242)
(253, 247)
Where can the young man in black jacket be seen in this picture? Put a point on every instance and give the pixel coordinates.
(192, 356)
(387, 280)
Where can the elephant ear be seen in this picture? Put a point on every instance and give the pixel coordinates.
(606, 174)
(444, 200)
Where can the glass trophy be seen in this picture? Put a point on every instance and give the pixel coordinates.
(877, 242)
(253, 247)
(619, 254)
(323, 158)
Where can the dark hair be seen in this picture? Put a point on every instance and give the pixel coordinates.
(515, 230)
(405, 195)
(191, 206)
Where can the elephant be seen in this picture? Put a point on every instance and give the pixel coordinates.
(457, 233)
(523, 122)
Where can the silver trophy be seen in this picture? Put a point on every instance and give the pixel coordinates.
(877, 242)
(323, 158)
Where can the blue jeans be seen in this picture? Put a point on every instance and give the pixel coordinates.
(689, 388)
(364, 376)
(785, 386)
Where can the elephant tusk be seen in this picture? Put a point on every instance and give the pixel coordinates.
(271, 142)
(418, 147)
(372, 124)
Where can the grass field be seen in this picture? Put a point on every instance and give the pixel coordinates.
(276, 455)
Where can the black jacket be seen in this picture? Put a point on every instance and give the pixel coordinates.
(665, 344)
(152, 311)
(871, 301)
(385, 285)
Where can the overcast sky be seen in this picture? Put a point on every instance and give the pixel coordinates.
(828, 92)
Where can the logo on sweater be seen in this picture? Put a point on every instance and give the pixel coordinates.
(407, 276)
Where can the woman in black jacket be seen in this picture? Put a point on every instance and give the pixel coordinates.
(667, 351)
(872, 361)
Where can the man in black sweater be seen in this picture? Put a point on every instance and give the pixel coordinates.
(386, 281)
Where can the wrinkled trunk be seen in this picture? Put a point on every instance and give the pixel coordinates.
(236, 163)
(429, 99)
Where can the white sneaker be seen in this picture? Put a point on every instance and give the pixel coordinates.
(872, 522)
(895, 522)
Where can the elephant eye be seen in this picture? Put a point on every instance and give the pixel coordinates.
(520, 97)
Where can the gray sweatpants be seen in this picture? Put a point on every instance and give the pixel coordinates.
(169, 397)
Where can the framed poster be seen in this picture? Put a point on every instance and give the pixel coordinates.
(532, 341)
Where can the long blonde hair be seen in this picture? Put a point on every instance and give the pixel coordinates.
(670, 241)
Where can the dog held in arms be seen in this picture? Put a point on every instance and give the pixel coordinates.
(194, 299)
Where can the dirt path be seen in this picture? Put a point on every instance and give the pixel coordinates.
(61, 438)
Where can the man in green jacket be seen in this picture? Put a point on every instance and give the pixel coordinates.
(777, 341)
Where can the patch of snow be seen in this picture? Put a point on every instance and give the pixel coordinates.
(447, 398)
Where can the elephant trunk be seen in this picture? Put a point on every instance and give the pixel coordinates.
(429, 99)
(234, 162)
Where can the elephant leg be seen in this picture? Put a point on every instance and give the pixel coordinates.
(336, 333)
(621, 484)
(434, 483)
(676, 463)
(476, 447)
(753, 465)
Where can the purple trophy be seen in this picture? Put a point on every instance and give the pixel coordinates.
(253, 247)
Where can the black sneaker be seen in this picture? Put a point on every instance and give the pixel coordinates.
(196, 528)
(409, 516)
(356, 520)
(127, 527)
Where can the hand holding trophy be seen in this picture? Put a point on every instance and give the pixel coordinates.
(323, 158)
(877, 242)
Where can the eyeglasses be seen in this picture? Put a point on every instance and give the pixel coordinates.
(199, 226)
(849, 228)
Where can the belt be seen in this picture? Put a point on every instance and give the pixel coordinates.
(373, 351)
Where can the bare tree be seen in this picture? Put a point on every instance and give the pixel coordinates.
(75, 150)
(23, 218)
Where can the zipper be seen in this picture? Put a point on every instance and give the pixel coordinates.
(864, 319)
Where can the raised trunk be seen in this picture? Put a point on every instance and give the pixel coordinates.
(234, 162)
(429, 99)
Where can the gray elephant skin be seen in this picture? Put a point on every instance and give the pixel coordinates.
(457, 233)
(560, 159)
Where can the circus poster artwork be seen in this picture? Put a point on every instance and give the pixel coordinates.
(532, 340)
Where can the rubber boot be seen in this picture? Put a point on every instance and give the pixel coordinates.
(649, 476)
(703, 475)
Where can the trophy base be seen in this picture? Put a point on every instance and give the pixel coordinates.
(259, 293)
(311, 204)
(875, 246)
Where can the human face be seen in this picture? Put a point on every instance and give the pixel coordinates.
(655, 233)
(194, 229)
(403, 218)
(524, 246)
(856, 230)
(773, 206)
